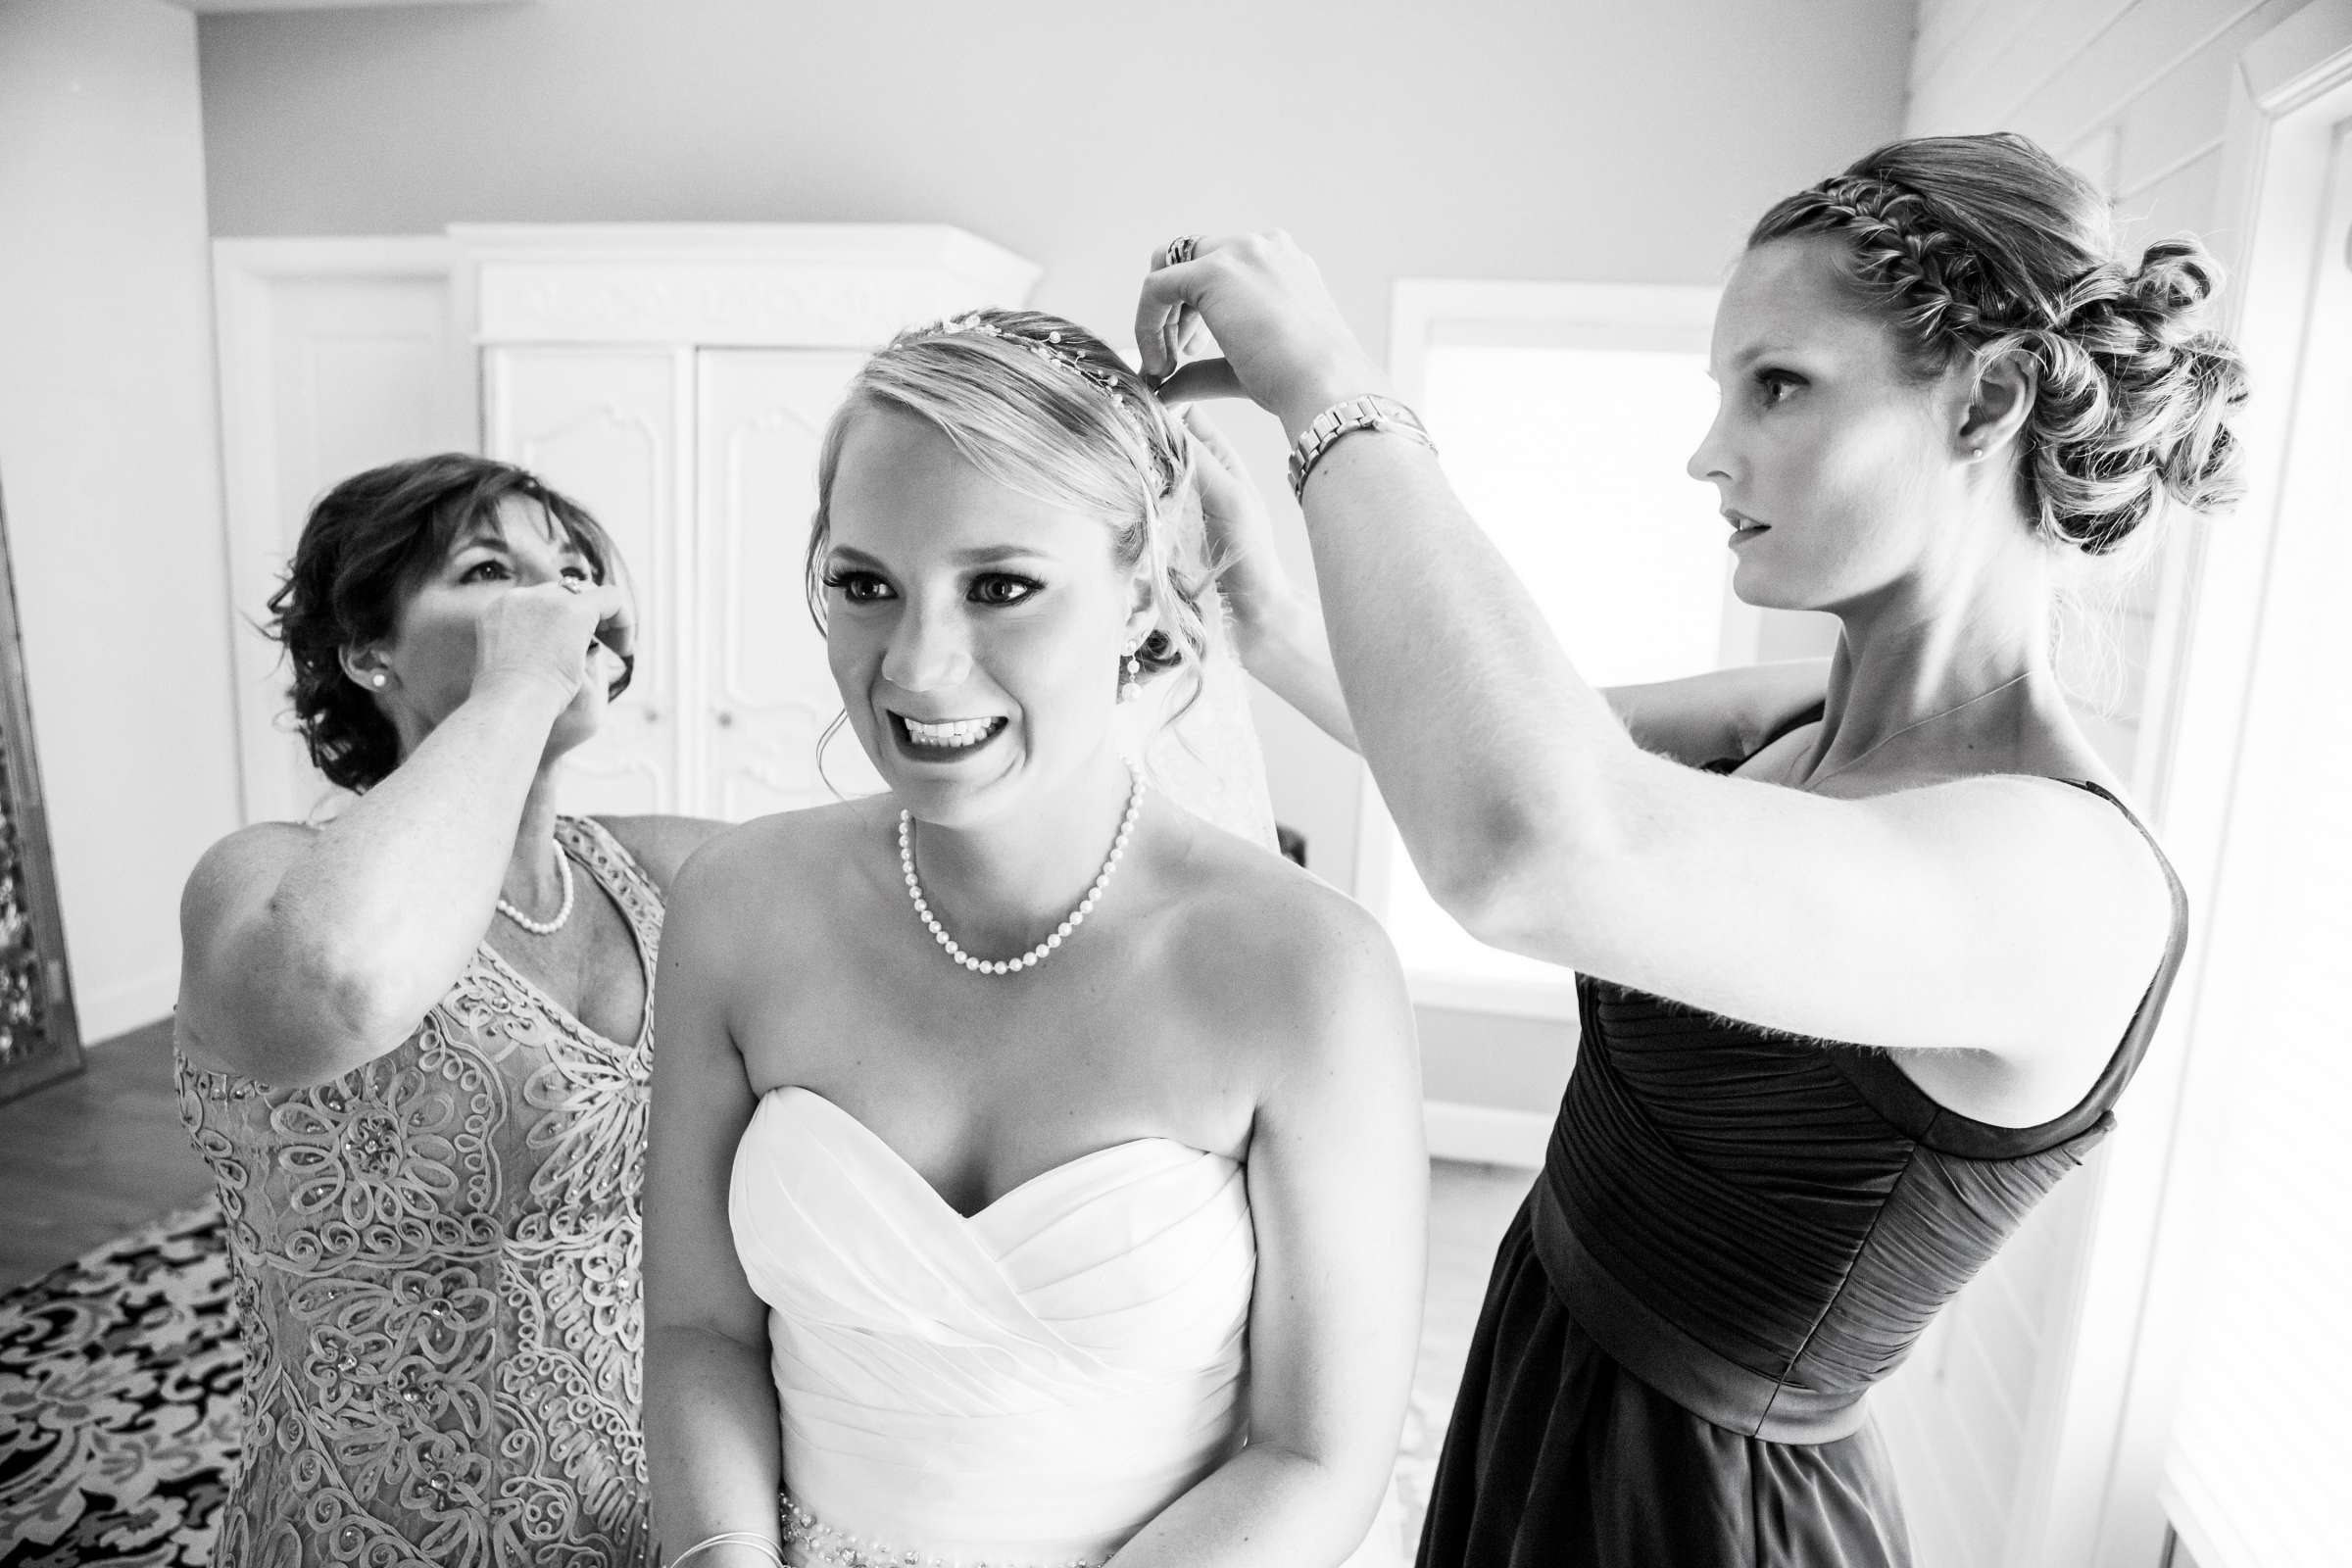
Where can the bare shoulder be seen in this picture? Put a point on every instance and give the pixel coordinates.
(2122, 853)
(661, 845)
(226, 902)
(755, 915)
(775, 867)
(2058, 847)
(244, 865)
(1280, 949)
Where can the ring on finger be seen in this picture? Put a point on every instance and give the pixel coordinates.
(1183, 248)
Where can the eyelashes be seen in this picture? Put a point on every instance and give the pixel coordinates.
(996, 589)
(481, 569)
(1773, 386)
(992, 589)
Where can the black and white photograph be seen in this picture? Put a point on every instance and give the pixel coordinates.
(1074, 784)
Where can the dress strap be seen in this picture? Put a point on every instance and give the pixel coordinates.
(617, 871)
(2176, 945)
(1892, 1093)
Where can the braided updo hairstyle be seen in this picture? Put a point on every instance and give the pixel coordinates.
(368, 543)
(1043, 406)
(1986, 246)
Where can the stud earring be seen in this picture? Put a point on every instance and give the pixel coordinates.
(377, 680)
(1976, 452)
(1131, 671)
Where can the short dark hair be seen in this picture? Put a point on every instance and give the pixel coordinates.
(368, 545)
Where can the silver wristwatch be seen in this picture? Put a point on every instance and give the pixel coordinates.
(1370, 412)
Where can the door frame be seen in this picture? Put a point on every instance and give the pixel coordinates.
(249, 277)
(2099, 1445)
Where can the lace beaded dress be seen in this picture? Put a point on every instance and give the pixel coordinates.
(436, 1260)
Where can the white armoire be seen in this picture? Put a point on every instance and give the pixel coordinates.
(674, 379)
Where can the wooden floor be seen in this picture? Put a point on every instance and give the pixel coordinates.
(88, 1157)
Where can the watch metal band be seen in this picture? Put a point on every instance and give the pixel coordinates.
(1370, 412)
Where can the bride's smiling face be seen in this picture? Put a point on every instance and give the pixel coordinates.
(975, 631)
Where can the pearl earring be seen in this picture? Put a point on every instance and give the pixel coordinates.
(377, 680)
(1976, 452)
(1131, 671)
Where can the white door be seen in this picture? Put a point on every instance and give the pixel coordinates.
(322, 374)
(604, 428)
(768, 694)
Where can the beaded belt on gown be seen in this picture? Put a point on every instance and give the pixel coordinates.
(810, 1541)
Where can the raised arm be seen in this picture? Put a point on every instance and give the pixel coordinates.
(305, 952)
(1538, 822)
(1338, 1195)
(1719, 714)
(1696, 720)
(713, 1448)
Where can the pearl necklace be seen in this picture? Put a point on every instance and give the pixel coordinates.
(1077, 916)
(548, 927)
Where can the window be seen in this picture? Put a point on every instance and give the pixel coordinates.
(1565, 414)
(2257, 1449)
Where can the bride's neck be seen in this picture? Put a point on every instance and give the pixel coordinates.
(1002, 883)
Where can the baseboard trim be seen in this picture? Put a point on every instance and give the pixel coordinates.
(1486, 1135)
(125, 1005)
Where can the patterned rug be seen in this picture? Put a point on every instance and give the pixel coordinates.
(118, 1382)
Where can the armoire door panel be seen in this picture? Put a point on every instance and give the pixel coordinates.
(323, 377)
(602, 425)
(771, 697)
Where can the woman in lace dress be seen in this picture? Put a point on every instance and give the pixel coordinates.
(1024, 1146)
(413, 1044)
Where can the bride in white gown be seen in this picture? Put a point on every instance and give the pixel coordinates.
(1035, 1174)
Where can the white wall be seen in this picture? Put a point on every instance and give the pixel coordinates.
(1582, 140)
(111, 472)
(2134, 93)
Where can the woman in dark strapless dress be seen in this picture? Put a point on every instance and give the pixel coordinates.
(1849, 1012)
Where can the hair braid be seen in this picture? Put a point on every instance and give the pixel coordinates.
(1983, 248)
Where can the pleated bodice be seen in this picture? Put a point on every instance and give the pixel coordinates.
(1761, 1226)
(1030, 1384)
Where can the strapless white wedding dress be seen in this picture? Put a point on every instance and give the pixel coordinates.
(1023, 1388)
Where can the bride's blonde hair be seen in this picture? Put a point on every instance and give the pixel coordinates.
(1041, 405)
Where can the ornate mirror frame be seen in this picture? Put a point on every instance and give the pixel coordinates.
(41, 1039)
